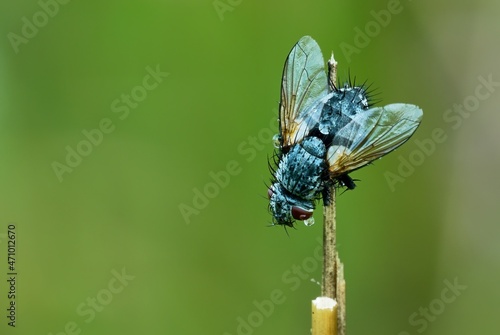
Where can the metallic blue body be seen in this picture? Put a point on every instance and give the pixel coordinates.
(298, 178)
(326, 132)
(302, 172)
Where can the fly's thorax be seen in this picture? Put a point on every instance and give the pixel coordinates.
(301, 170)
(298, 182)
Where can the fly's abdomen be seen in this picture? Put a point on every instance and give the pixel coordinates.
(301, 169)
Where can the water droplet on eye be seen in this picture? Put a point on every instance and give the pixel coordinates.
(309, 222)
(299, 213)
(276, 141)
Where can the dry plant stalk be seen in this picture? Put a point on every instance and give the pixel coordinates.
(324, 316)
(328, 311)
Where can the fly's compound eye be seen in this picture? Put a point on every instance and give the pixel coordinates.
(300, 213)
(269, 193)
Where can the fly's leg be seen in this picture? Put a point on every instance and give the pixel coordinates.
(347, 181)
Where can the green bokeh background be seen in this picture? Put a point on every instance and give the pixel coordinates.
(119, 208)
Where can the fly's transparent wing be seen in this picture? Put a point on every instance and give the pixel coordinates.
(303, 84)
(370, 135)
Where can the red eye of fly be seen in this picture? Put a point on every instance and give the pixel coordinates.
(300, 213)
(269, 193)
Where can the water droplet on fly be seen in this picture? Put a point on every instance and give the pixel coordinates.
(276, 141)
(309, 222)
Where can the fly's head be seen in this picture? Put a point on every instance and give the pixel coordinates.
(286, 208)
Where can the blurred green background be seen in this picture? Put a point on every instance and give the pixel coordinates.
(103, 246)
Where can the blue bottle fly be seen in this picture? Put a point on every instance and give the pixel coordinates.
(325, 133)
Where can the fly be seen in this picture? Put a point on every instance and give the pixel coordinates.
(325, 133)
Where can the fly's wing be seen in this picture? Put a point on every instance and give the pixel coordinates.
(303, 84)
(370, 135)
